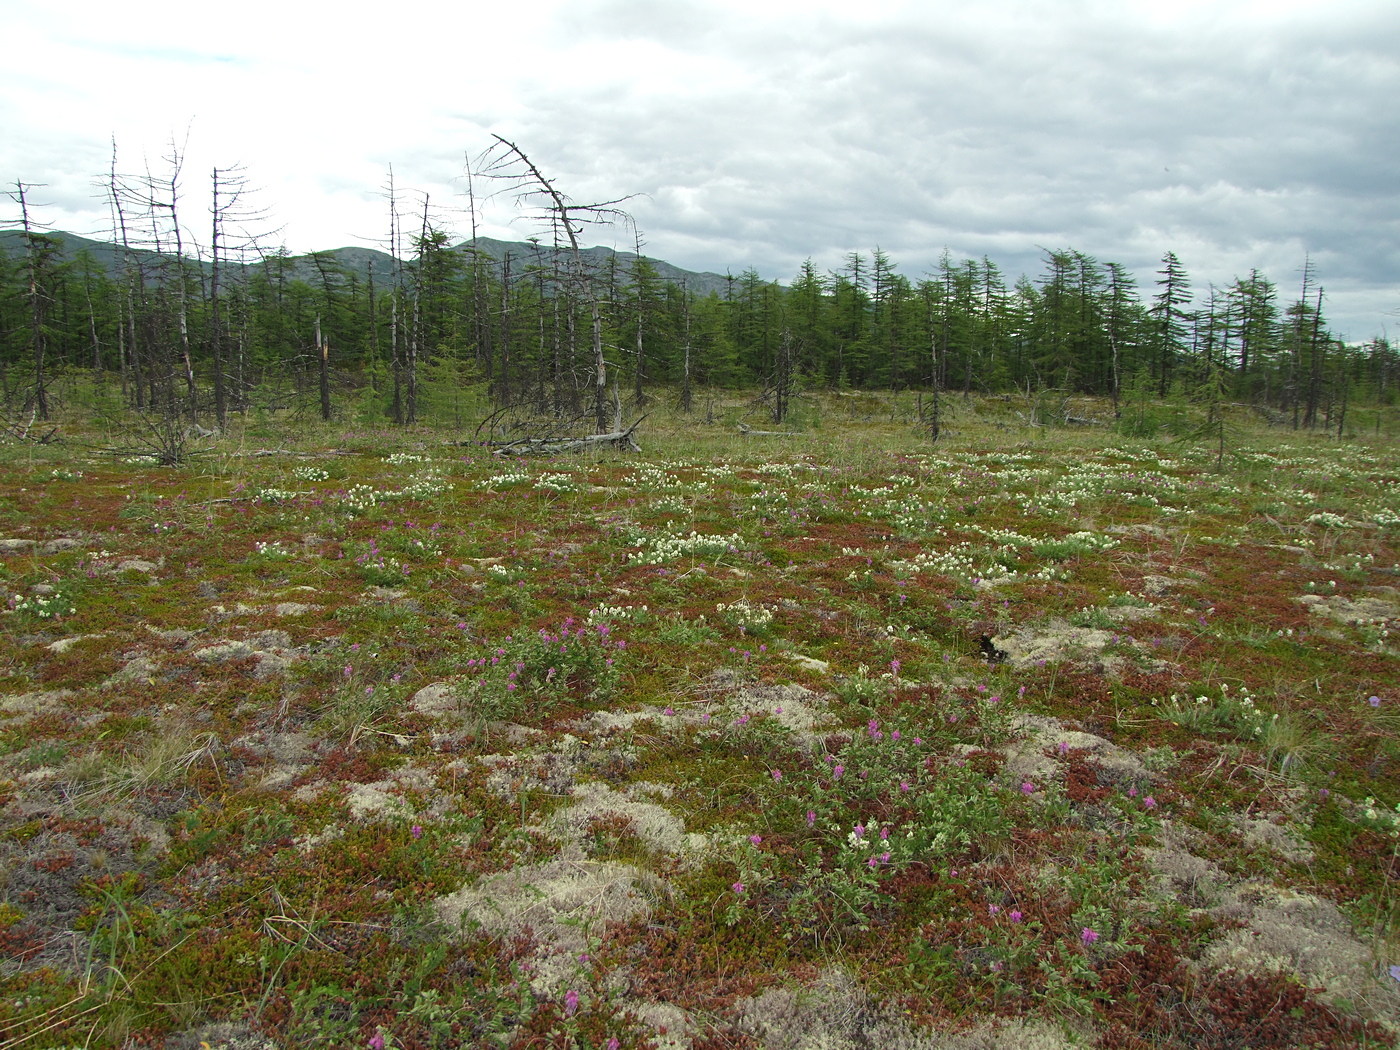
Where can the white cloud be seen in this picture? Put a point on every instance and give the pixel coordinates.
(1238, 134)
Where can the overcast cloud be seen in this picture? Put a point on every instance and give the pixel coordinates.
(1239, 135)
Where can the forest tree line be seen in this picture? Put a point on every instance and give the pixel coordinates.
(204, 326)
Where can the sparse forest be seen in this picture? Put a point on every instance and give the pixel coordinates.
(193, 312)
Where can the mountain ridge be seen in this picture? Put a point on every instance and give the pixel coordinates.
(359, 260)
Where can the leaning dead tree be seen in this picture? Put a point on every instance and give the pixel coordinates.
(508, 162)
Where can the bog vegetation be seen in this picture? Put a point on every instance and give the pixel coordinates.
(347, 735)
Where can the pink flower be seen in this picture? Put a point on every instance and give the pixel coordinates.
(570, 1003)
(1088, 936)
(836, 773)
(1014, 916)
(1027, 788)
(376, 1041)
(738, 887)
(777, 776)
(811, 817)
(416, 831)
(755, 839)
(1149, 802)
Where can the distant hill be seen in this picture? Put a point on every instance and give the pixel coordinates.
(359, 260)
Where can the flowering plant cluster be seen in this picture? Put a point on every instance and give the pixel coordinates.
(42, 606)
(861, 814)
(574, 661)
(659, 548)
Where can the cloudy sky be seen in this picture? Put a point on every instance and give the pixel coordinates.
(759, 133)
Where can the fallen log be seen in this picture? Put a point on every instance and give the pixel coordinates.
(549, 446)
(749, 431)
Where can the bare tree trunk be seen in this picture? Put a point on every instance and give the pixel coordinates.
(176, 160)
(216, 330)
(686, 391)
(38, 300)
(600, 372)
(501, 387)
(323, 358)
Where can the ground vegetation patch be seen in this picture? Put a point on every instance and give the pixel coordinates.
(1026, 737)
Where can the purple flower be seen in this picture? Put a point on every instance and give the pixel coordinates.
(376, 1041)
(416, 831)
(1374, 701)
(1027, 788)
(1149, 802)
(738, 888)
(811, 817)
(777, 776)
(836, 773)
(570, 1003)
(1014, 916)
(755, 839)
(1088, 936)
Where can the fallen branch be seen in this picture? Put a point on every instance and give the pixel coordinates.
(547, 446)
(749, 431)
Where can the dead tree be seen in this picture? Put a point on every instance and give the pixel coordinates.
(230, 234)
(567, 220)
(38, 255)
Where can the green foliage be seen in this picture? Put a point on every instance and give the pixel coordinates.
(532, 672)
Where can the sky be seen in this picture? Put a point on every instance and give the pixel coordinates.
(1237, 134)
